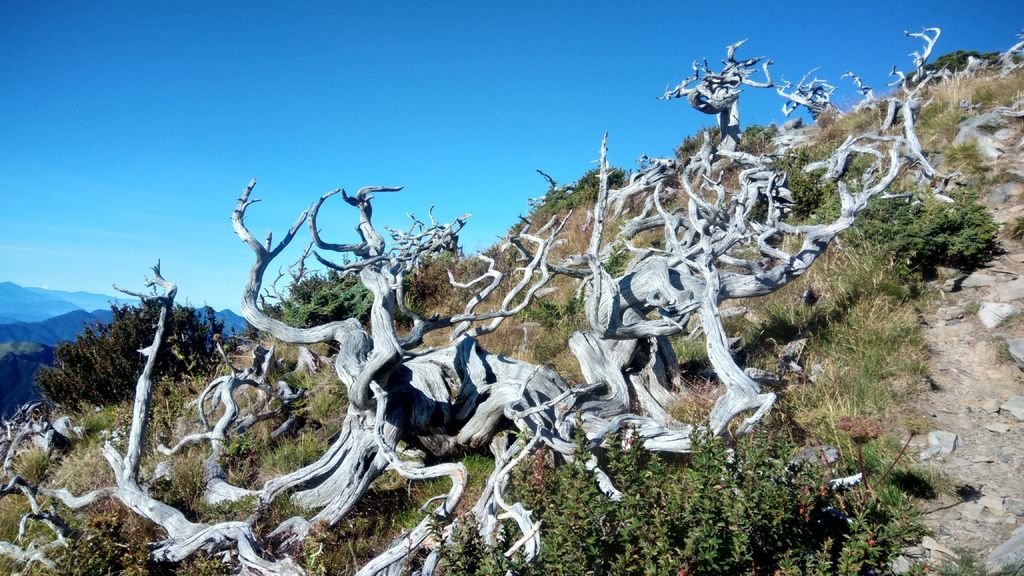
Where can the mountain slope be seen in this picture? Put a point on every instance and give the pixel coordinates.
(53, 330)
(24, 305)
(82, 300)
(19, 362)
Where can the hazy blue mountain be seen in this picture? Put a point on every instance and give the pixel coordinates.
(68, 326)
(232, 322)
(53, 330)
(34, 320)
(84, 300)
(19, 362)
(24, 305)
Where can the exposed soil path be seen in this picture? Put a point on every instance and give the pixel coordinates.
(973, 379)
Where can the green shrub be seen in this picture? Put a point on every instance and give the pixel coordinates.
(748, 511)
(957, 61)
(927, 234)
(321, 298)
(583, 193)
(552, 314)
(102, 365)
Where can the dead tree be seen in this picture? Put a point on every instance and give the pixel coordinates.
(714, 250)
(1012, 59)
(815, 96)
(718, 93)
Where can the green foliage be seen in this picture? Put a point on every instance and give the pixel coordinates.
(747, 511)
(957, 61)
(582, 193)
(103, 364)
(757, 139)
(617, 261)
(921, 235)
(552, 314)
(321, 298)
(691, 144)
(924, 235)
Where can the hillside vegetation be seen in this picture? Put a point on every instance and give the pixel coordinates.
(821, 484)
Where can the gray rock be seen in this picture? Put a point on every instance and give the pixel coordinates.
(978, 280)
(1009, 291)
(980, 130)
(937, 549)
(992, 314)
(1016, 348)
(901, 565)
(997, 427)
(1014, 506)
(972, 511)
(1003, 134)
(792, 124)
(940, 442)
(992, 503)
(1015, 406)
(1009, 555)
(818, 455)
(951, 278)
(817, 369)
(949, 313)
(991, 405)
(915, 552)
(1004, 192)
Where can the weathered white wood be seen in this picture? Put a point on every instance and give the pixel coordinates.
(815, 96)
(1008, 60)
(718, 92)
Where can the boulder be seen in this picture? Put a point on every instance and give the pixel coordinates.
(993, 314)
(940, 442)
(1008, 557)
(1015, 406)
(821, 454)
(1009, 291)
(978, 280)
(1005, 192)
(1016, 348)
(982, 131)
(949, 313)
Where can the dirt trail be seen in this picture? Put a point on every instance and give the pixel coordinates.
(973, 378)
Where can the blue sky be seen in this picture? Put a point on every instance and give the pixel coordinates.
(127, 129)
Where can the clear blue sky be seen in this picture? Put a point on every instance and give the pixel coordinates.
(127, 129)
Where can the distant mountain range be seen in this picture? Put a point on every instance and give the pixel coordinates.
(33, 321)
(53, 330)
(21, 304)
(19, 362)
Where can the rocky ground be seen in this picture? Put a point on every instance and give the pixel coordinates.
(976, 402)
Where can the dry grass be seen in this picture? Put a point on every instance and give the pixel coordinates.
(83, 469)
